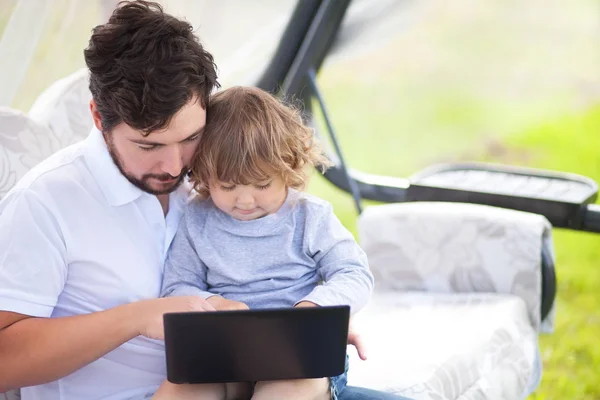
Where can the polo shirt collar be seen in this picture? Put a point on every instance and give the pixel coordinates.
(116, 188)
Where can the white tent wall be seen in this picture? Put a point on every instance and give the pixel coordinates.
(18, 43)
(43, 40)
(45, 45)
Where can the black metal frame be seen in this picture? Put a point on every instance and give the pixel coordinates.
(292, 72)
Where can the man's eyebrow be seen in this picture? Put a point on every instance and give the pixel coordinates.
(152, 143)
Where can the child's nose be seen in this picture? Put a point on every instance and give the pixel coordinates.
(245, 199)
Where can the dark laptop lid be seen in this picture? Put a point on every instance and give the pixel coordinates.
(256, 345)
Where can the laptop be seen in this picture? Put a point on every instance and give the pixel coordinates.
(256, 345)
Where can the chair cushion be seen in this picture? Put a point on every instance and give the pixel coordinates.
(447, 346)
(59, 117)
(23, 143)
(443, 247)
(65, 107)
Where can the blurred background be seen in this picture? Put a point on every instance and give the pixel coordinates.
(409, 83)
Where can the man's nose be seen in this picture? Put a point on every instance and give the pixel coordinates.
(173, 160)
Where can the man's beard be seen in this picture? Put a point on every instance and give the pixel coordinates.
(143, 182)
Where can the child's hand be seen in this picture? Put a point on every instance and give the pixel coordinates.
(354, 337)
(355, 340)
(222, 304)
(303, 304)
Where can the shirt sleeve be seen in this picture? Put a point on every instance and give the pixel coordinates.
(341, 263)
(185, 273)
(33, 255)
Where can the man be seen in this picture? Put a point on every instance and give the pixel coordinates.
(83, 236)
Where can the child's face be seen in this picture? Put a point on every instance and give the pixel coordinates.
(248, 202)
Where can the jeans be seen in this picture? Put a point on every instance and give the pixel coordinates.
(358, 393)
(339, 390)
(337, 384)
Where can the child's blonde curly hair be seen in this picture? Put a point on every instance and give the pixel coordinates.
(251, 136)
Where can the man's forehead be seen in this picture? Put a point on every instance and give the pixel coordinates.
(189, 121)
(166, 136)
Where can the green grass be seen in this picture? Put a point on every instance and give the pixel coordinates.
(571, 354)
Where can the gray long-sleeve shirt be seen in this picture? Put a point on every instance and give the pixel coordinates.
(301, 252)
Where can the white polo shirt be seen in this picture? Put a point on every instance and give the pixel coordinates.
(76, 237)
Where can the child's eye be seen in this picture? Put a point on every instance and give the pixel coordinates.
(227, 188)
(263, 187)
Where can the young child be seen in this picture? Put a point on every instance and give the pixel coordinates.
(253, 238)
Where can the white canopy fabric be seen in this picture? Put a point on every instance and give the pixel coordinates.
(42, 40)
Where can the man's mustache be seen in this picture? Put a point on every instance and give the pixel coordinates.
(167, 177)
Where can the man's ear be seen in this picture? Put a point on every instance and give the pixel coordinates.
(96, 115)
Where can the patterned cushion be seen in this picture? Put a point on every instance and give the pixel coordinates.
(453, 247)
(58, 118)
(65, 107)
(465, 346)
(23, 144)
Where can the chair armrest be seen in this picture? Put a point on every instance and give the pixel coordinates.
(456, 247)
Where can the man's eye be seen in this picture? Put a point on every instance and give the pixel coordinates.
(147, 147)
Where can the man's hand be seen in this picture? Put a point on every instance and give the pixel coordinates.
(222, 304)
(150, 312)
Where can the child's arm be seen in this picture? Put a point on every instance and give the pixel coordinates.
(185, 273)
(341, 263)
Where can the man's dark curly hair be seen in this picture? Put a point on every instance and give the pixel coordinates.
(145, 65)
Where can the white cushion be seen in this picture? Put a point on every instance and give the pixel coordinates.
(23, 144)
(59, 117)
(447, 346)
(454, 247)
(65, 107)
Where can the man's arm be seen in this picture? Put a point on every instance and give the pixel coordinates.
(40, 350)
(34, 348)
